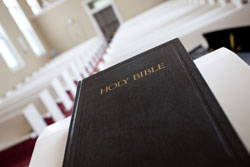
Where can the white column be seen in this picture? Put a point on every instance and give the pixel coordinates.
(69, 81)
(51, 105)
(61, 92)
(75, 72)
(34, 118)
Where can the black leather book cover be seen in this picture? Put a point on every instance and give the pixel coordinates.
(153, 110)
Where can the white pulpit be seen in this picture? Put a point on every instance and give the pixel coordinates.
(225, 73)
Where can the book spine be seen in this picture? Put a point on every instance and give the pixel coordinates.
(72, 126)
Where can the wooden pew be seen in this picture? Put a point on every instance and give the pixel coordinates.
(46, 88)
(217, 15)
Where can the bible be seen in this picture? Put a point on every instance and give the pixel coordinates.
(154, 109)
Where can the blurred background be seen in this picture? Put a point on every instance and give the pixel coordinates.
(46, 46)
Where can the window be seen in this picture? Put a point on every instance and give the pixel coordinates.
(35, 7)
(97, 3)
(8, 52)
(24, 25)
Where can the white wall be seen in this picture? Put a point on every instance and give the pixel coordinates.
(130, 8)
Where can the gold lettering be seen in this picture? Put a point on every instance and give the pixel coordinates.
(102, 90)
(147, 72)
(161, 66)
(119, 84)
(114, 86)
(136, 76)
(141, 74)
(153, 70)
(125, 81)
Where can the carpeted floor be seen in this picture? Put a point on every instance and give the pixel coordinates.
(19, 155)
